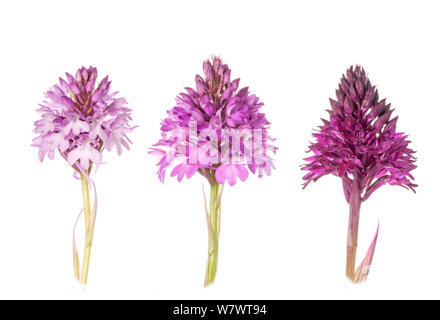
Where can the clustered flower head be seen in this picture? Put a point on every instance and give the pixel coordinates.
(81, 117)
(360, 140)
(216, 106)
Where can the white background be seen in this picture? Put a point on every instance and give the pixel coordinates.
(278, 241)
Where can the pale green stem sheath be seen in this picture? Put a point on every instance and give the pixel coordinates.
(88, 242)
(213, 235)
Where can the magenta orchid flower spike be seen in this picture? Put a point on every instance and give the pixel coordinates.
(218, 131)
(79, 119)
(360, 145)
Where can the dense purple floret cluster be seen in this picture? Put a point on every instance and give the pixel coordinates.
(359, 141)
(81, 117)
(216, 104)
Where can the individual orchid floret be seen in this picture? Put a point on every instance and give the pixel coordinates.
(218, 130)
(80, 118)
(360, 144)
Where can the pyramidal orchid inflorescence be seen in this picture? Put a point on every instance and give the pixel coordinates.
(219, 131)
(80, 118)
(360, 144)
(197, 131)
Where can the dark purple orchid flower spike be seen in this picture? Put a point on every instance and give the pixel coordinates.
(359, 144)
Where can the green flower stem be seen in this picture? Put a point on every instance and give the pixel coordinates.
(213, 235)
(86, 199)
(88, 242)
